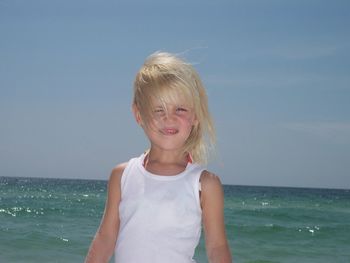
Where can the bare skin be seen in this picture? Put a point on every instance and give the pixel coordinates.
(212, 202)
(102, 246)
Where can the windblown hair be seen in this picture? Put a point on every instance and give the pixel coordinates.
(166, 78)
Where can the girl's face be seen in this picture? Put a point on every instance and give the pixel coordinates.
(170, 125)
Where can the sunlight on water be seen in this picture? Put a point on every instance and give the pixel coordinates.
(59, 218)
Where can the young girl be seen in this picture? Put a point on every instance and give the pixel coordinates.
(158, 201)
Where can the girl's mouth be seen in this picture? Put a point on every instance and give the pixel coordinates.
(169, 131)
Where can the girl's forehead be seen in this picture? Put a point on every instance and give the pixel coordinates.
(171, 94)
(169, 102)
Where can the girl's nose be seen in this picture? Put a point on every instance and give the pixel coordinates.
(169, 116)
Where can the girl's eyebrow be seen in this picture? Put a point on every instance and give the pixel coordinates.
(174, 105)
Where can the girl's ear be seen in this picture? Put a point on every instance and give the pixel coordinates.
(137, 114)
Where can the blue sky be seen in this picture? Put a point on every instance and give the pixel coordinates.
(276, 72)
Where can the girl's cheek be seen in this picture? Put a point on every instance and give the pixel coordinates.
(189, 123)
(190, 120)
(158, 123)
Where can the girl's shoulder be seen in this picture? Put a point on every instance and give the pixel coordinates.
(119, 169)
(211, 189)
(116, 174)
(209, 179)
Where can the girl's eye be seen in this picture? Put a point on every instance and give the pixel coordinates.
(159, 111)
(181, 110)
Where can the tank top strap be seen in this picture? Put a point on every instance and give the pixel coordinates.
(194, 174)
(126, 173)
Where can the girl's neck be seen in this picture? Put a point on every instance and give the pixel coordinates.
(165, 162)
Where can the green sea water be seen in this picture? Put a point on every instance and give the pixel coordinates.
(54, 220)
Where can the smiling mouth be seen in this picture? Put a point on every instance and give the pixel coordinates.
(169, 131)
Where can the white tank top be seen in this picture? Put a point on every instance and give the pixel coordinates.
(160, 216)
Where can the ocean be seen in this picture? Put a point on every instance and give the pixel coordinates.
(54, 220)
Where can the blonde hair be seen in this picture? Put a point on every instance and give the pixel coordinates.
(166, 78)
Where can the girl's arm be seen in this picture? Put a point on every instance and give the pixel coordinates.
(212, 202)
(102, 246)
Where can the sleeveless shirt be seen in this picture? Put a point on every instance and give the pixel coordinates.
(160, 216)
